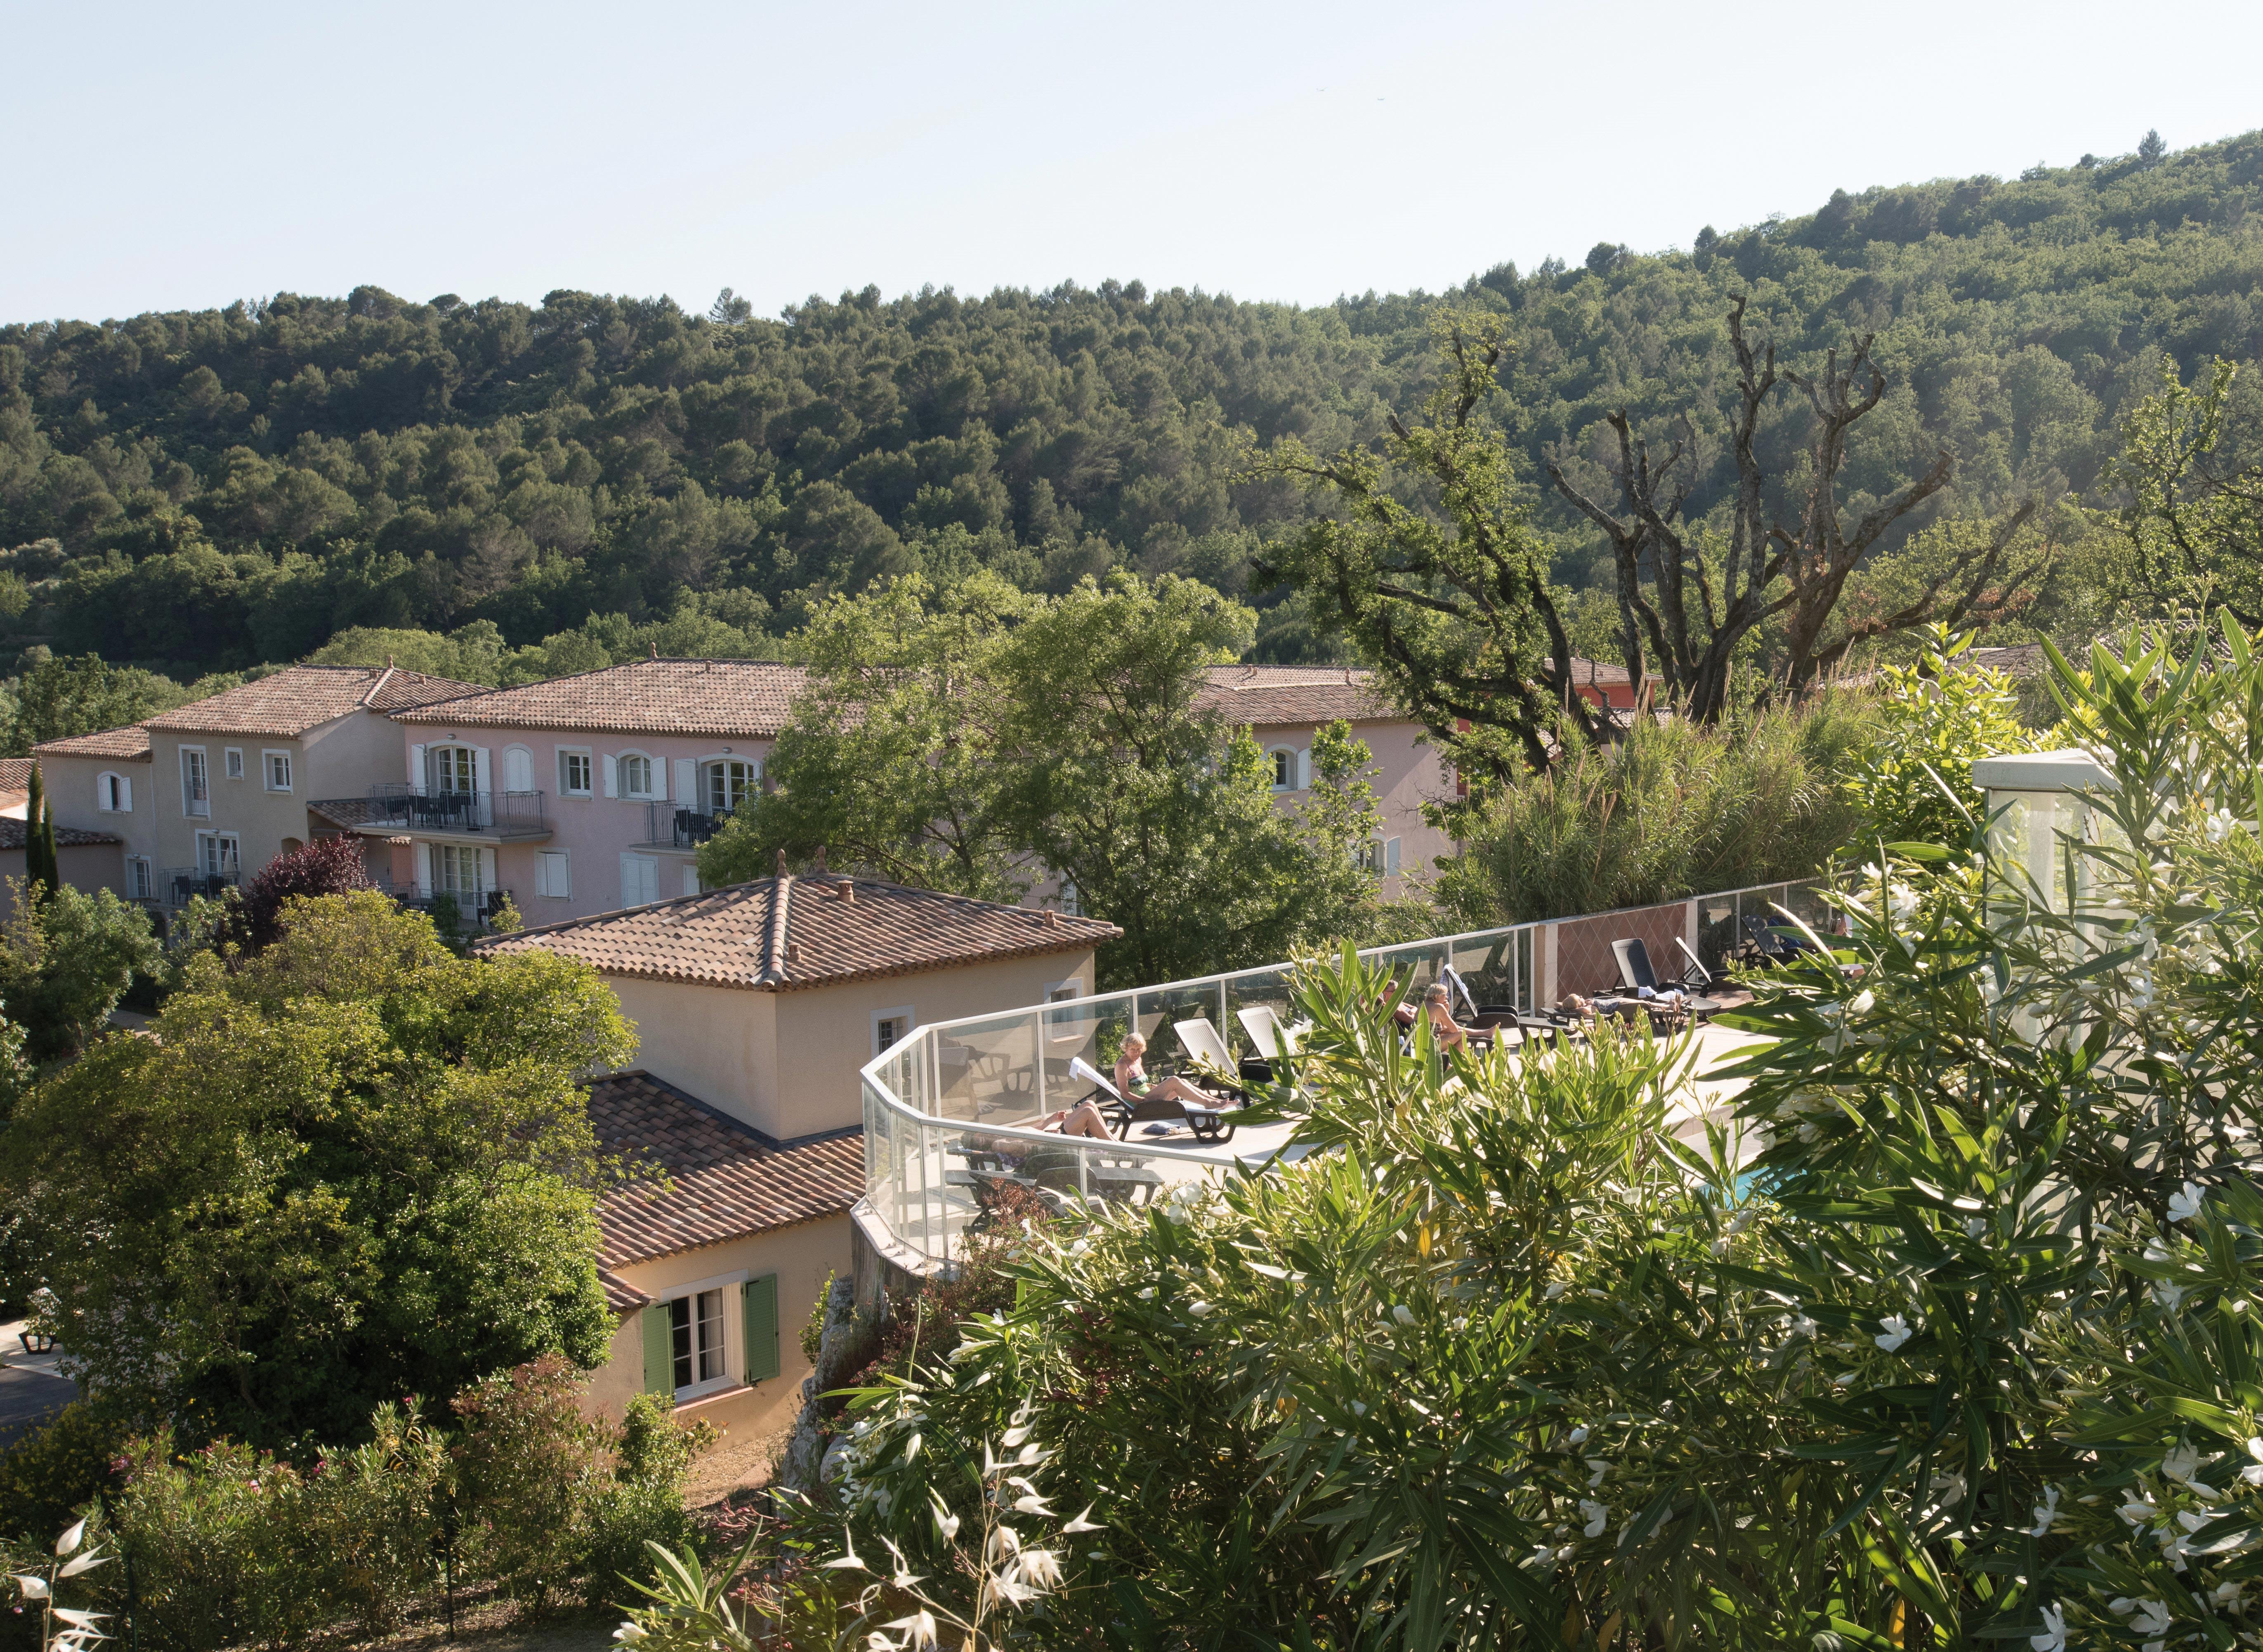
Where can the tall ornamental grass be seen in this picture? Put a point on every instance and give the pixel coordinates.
(1674, 810)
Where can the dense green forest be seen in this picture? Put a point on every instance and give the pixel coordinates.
(206, 491)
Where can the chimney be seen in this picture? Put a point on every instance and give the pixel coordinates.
(819, 866)
(1053, 918)
(848, 892)
(656, 649)
(781, 863)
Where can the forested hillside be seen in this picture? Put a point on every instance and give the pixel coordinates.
(209, 490)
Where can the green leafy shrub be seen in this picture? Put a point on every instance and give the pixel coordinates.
(50, 1476)
(1913, 779)
(813, 1332)
(528, 1471)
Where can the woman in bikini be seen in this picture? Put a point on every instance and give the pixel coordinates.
(1132, 1079)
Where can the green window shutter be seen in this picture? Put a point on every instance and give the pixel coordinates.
(759, 1298)
(659, 1351)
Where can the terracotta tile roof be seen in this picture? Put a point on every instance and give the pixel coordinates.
(290, 702)
(1597, 671)
(620, 1295)
(749, 698)
(731, 936)
(130, 744)
(1266, 695)
(12, 831)
(16, 776)
(725, 1179)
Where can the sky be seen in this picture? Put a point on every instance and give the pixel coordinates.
(170, 156)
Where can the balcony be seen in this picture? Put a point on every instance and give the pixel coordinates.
(475, 909)
(176, 885)
(667, 826)
(951, 1110)
(490, 816)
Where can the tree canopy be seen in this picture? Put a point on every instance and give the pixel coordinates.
(213, 490)
(352, 1167)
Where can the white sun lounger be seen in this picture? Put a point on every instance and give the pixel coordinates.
(1268, 1034)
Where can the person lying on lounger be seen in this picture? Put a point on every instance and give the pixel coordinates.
(1132, 1079)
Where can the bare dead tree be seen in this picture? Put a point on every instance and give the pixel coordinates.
(1670, 613)
(1694, 644)
(1821, 553)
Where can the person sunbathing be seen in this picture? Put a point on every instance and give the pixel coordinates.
(1132, 1079)
(1449, 1033)
(1083, 1119)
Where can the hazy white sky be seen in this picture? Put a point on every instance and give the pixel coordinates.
(163, 156)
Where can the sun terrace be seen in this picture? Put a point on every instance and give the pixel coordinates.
(949, 1111)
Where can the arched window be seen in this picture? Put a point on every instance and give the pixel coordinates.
(517, 769)
(113, 793)
(1285, 769)
(452, 770)
(636, 774)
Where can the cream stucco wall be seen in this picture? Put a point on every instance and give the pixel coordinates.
(88, 867)
(786, 1063)
(803, 1256)
(70, 783)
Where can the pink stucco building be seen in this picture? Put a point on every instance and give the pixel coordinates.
(578, 795)
(1285, 706)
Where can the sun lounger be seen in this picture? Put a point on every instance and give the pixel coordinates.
(1491, 1017)
(1266, 1030)
(1207, 1124)
(1212, 1056)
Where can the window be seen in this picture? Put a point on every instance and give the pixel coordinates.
(1285, 770)
(517, 769)
(231, 763)
(690, 880)
(554, 874)
(1062, 991)
(278, 771)
(141, 879)
(455, 771)
(456, 869)
(636, 775)
(1072, 903)
(216, 854)
(113, 793)
(196, 792)
(695, 1325)
(889, 1026)
(1379, 856)
(639, 879)
(573, 772)
(728, 782)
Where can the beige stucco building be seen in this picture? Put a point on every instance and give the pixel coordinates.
(205, 794)
(757, 1004)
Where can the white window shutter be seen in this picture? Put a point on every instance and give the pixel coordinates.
(690, 879)
(482, 775)
(1391, 859)
(488, 866)
(423, 862)
(687, 783)
(416, 769)
(519, 770)
(1304, 769)
(102, 794)
(613, 775)
(125, 792)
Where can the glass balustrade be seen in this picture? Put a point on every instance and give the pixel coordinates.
(952, 1111)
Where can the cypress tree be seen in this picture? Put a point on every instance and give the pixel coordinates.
(38, 840)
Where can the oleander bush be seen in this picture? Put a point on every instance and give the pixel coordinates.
(1958, 1348)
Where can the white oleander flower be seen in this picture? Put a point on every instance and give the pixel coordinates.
(919, 1630)
(2053, 1638)
(1597, 1515)
(1578, 1437)
(1403, 1313)
(2046, 1513)
(2186, 1205)
(1601, 1469)
(1894, 1331)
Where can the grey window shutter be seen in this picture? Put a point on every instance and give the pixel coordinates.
(659, 1350)
(760, 1300)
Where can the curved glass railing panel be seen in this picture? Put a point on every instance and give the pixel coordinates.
(952, 1111)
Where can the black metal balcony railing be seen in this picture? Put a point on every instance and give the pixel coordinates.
(475, 909)
(176, 884)
(667, 826)
(499, 815)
